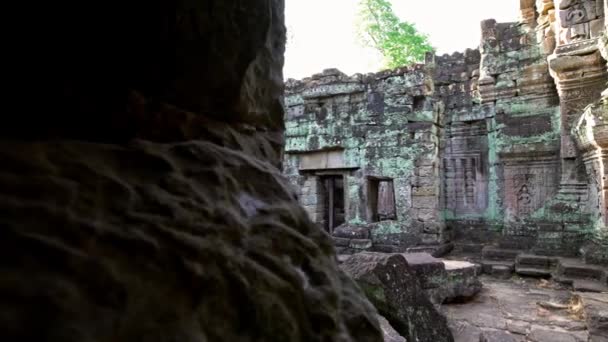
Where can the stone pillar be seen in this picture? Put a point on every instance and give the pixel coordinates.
(579, 68)
(580, 75)
(527, 12)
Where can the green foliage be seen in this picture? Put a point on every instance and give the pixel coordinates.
(398, 41)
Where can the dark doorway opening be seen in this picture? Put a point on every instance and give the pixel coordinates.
(333, 193)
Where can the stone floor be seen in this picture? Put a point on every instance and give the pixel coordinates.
(517, 309)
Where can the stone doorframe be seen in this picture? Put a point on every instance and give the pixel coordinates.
(313, 199)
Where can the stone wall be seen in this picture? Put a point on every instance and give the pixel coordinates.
(479, 144)
(384, 126)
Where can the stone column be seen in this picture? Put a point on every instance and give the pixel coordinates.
(580, 75)
(527, 12)
(591, 135)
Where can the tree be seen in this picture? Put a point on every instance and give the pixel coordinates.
(398, 41)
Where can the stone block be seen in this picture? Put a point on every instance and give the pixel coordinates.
(352, 232)
(425, 202)
(394, 289)
(360, 244)
(429, 270)
(341, 242)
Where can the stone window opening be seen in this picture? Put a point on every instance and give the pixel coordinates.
(419, 103)
(381, 199)
(333, 200)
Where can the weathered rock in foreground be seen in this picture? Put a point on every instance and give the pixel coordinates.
(164, 242)
(139, 198)
(390, 334)
(395, 290)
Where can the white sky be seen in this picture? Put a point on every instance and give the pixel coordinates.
(321, 33)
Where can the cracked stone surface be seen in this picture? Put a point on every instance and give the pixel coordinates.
(507, 310)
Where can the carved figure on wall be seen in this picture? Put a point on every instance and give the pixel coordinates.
(576, 17)
(524, 201)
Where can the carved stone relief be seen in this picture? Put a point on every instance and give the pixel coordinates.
(524, 201)
(580, 19)
(528, 182)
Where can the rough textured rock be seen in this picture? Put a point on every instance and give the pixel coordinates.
(208, 242)
(160, 76)
(139, 194)
(396, 292)
(390, 334)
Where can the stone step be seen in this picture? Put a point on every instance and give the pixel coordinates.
(493, 253)
(436, 251)
(486, 265)
(501, 271)
(563, 280)
(387, 248)
(528, 271)
(576, 269)
(361, 244)
(468, 247)
(536, 261)
(586, 285)
(498, 269)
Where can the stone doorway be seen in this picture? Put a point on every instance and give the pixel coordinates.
(333, 194)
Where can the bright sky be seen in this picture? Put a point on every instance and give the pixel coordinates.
(321, 33)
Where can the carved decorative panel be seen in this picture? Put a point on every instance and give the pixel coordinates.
(580, 19)
(528, 182)
(464, 181)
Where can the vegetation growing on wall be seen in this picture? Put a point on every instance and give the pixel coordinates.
(398, 41)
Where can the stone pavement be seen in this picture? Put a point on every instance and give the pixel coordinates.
(509, 310)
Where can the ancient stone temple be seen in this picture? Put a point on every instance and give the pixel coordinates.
(503, 145)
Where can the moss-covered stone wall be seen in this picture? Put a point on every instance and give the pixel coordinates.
(474, 142)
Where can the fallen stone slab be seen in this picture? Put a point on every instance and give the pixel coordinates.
(392, 286)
